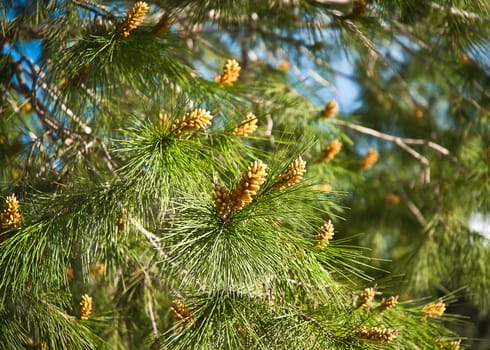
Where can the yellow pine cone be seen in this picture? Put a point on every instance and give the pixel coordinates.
(248, 185)
(133, 18)
(85, 307)
(331, 109)
(221, 200)
(293, 174)
(248, 126)
(449, 345)
(331, 150)
(10, 216)
(324, 235)
(365, 298)
(231, 71)
(69, 274)
(369, 159)
(96, 270)
(387, 304)
(180, 311)
(434, 309)
(377, 334)
(393, 198)
(197, 119)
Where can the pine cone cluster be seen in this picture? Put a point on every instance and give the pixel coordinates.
(388, 303)
(10, 217)
(371, 158)
(197, 119)
(365, 298)
(85, 307)
(324, 235)
(434, 309)
(180, 311)
(331, 109)
(231, 71)
(331, 150)
(293, 174)
(134, 18)
(221, 200)
(377, 334)
(248, 185)
(248, 126)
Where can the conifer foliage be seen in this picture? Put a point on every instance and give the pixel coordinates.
(186, 175)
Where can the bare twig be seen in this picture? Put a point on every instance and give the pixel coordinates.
(150, 236)
(400, 142)
(460, 13)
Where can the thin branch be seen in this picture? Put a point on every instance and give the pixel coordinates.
(378, 134)
(460, 13)
(94, 7)
(150, 236)
(401, 142)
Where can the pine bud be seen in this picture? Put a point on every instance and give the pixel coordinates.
(359, 8)
(69, 274)
(369, 159)
(393, 199)
(231, 71)
(85, 307)
(248, 185)
(324, 235)
(133, 18)
(197, 119)
(377, 334)
(10, 216)
(96, 270)
(449, 345)
(387, 304)
(293, 174)
(331, 150)
(365, 298)
(221, 200)
(331, 109)
(248, 126)
(180, 311)
(434, 309)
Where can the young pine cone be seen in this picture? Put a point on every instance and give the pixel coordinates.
(231, 71)
(248, 185)
(293, 174)
(134, 18)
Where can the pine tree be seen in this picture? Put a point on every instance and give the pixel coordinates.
(194, 174)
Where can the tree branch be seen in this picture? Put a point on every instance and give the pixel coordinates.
(401, 142)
